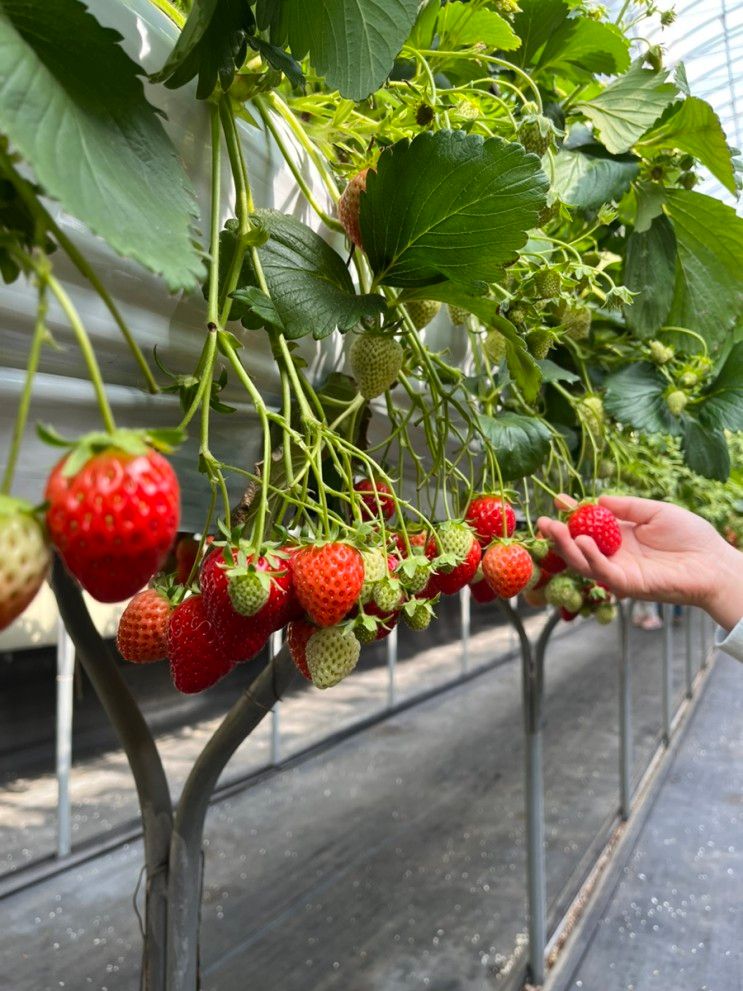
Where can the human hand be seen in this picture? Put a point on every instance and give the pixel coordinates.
(667, 555)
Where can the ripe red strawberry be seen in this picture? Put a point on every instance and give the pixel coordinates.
(567, 615)
(328, 579)
(114, 520)
(597, 522)
(24, 558)
(298, 632)
(451, 582)
(552, 564)
(142, 636)
(349, 205)
(240, 637)
(490, 517)
(197, 659)
(370, 509)
(507, 568)
(417, 539)
(482, 592)
(185, 554)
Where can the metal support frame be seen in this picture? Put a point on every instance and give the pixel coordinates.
(465, 614)
(702, 639)
(667, 671)
(688, 665)
(391, 642)
(625, 711)
(65, 687)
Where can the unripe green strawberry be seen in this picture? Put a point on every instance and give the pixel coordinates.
(332, 654)
(419, 616)
(494, 345)
(506, 8)
(660, 354)
(591, 411)
(689, 379)
(248, 592)
(606, 613)
(365, 631)
(414, 573)
(458, 315)
(547, 283)
(422, 311)
(562, 591)
(375, 362)
(577, 322)
(548, 213)
(388, 595)
(455, 541)
(539, 342)
(518, 314)
(424, 115)
(676, 402)
(536, 134)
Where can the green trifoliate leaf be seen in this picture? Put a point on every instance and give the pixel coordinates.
(311, 290)
(449, 206)
(76, 110)
(352, 43)
(709, 292)
(587, 45)
(535, 25)
(693, 127)
(520, 443)
(212, 45)
(650, 271)
(635, 396)
(589, 176)
(462, 24)
(628, 107)
(723, 400)
(705, 450)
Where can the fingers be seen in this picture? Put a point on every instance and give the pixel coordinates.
(564, 544)
(563, 501)
(600, 567)
(631, 509)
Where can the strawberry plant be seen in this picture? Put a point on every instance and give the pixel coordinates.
(501, 237)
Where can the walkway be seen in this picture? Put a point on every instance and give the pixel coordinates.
(393, 861)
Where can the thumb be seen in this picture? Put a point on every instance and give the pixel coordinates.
(563, 501)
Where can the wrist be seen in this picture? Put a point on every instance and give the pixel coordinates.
(724, 601)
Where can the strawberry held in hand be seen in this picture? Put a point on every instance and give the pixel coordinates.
(114, 505)
(142, 636)
(490, 517)
(328, 579)
(24, 558)
(507, 568)
(197, 659)
(596, 521)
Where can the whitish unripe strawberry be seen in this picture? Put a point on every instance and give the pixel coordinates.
(376, 361)
(660, 354)
(375, 569)
(24, 558)
(422, 311)
(455, 541)
(414, 573)
(563, 591)
(591, 412)
(332, 654)
(458, 315)
(494, 345)
(676, 402)
(388, 595)
(349, 205)
(606, 613)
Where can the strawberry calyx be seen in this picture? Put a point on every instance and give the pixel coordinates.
(12, 506)
(128, 442)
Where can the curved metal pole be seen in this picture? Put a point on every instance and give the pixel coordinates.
(667, 672)
(532, 668)
(130, 726)
(625, 711)
(186, 867)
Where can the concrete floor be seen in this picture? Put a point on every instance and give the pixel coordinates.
(392, 861)
(676, 917)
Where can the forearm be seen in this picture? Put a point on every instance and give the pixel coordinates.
(725, 600)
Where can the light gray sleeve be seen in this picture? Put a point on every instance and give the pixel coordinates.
(732, 643)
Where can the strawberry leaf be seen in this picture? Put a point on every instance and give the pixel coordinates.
(77, 112)
(705, 450)
(650, 271)
(588, 177)
(520, 443)
(634, 396)
(722, 405)
(352, 43)
(467, 218)
(463, 24)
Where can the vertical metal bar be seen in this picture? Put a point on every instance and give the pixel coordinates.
(65, 674)
(688, 659)
(536, 879)
(702, 639)
(667, 671)
(513, 639)
(625, 712)
(273, 649)
(391, 642)
(465, 616)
